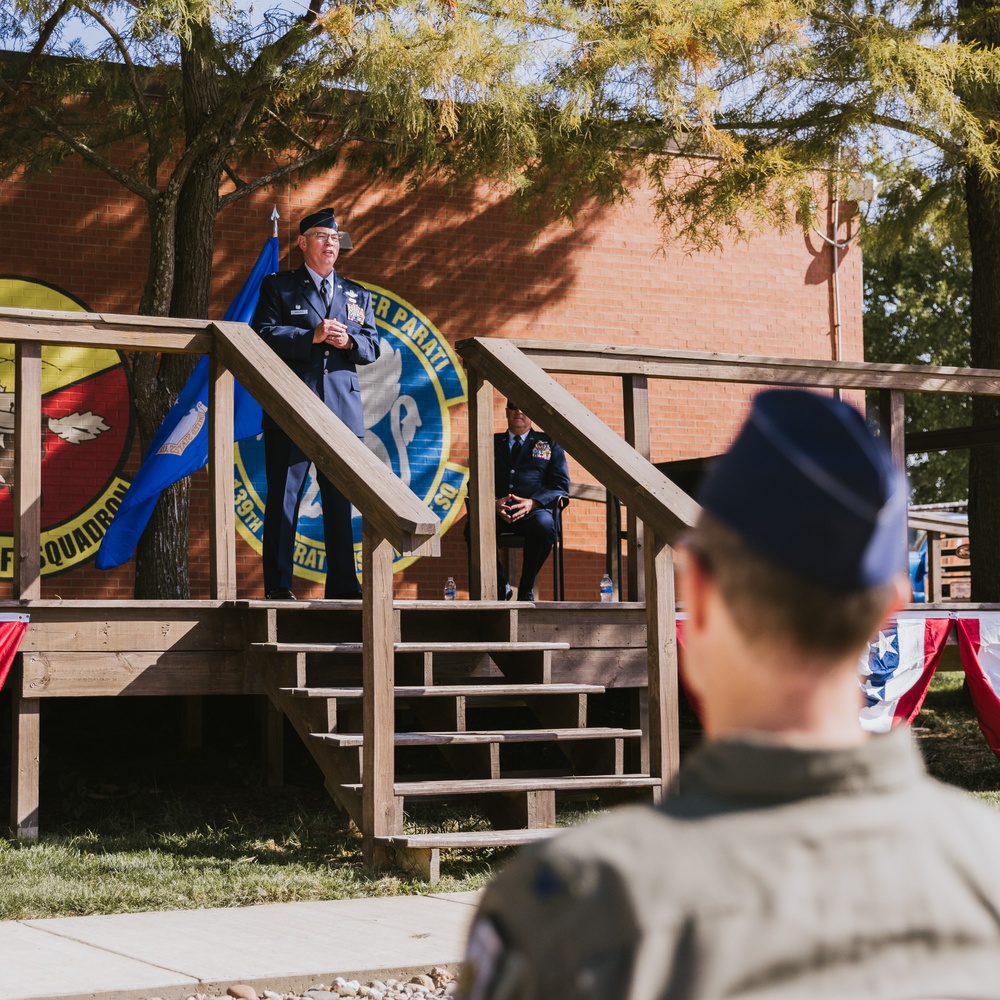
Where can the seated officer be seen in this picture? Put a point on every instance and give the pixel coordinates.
(531, 476)
(796, 856)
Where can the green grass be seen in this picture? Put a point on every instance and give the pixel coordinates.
(183, 857)
(131, 821)
(951, 743)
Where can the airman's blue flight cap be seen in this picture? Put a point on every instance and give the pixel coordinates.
(325, 219)
(809, 487)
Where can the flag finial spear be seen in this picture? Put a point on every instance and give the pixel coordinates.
(274, 220)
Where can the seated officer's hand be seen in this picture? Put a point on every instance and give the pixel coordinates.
(501, 505)
(514, 508)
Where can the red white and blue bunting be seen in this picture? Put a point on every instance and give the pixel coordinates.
(896, 670)
(12, 628)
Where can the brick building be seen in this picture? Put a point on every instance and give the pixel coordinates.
(465, 261)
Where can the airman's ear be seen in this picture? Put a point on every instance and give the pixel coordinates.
(903, 594)
(693, 582)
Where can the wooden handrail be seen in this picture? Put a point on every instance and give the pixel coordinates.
(400, 517)
(662, 509)
(631, 477)
(392, 515)
(106, 330)
(396, 512)
(746, 368)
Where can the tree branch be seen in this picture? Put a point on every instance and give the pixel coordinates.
(57, 130)
(152, 163)
(44, 34)
(288, 128)
(289, 168)
(846, 115)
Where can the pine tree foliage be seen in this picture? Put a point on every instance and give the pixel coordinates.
(179, 101)
(917, 286)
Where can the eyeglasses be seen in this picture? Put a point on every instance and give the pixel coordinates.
(324, 237)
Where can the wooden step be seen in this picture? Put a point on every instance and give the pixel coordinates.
(322, 603)
(485, 736)
(484, 786)
(413, 647)
(420, 853)
(471, 838)
(449, 691)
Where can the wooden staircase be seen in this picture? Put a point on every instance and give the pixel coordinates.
(477, 718)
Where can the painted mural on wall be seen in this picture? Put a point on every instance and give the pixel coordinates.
(408, 395)
(87, 434)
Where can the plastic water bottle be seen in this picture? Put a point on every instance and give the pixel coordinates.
(449, 589)
(607, 588)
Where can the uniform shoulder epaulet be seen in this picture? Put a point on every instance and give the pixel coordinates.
(353, 285)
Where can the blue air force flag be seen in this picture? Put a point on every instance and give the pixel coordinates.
(180, 446)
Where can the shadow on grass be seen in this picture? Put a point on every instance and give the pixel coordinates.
(952, 745)
(133, 820)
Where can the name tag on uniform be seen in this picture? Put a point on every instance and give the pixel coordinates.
(542, 449)
(355, 313)
(299, 312)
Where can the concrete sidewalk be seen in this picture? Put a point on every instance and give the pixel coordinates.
(280, 946)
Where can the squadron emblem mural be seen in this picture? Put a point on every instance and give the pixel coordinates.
(86, 437)
(408, 395)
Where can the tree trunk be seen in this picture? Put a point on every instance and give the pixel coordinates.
(182, 264)
(982, 197)
(979, 25)
(162, 570)
(195, 248)
(156, 380)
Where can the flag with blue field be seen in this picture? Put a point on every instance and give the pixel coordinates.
(180, 446)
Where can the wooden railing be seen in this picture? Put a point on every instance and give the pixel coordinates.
(392, 516)
(635, 366)
(657, 509)
(664, 510)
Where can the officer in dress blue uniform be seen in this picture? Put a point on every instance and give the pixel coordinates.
(531, 476)
(323, 326)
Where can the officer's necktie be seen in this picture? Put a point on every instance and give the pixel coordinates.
(515, 450)
(324, 290)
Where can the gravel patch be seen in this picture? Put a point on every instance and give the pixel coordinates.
(436, 984)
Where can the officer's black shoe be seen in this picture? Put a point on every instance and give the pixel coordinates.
(529, 596)
(347, 595)
(509, 593)
(280, 594)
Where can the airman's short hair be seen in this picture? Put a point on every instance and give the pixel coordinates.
(769, 603)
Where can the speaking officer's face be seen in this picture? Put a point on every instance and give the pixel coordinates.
(320, 247)
(518, 422)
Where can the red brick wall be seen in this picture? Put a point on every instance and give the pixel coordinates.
(475, 267)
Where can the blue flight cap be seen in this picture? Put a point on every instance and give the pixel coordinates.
(325, 219)
(808, 487)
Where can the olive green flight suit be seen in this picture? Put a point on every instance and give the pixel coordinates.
(773, 873)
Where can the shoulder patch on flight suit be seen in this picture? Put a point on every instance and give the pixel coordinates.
(547, 881)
